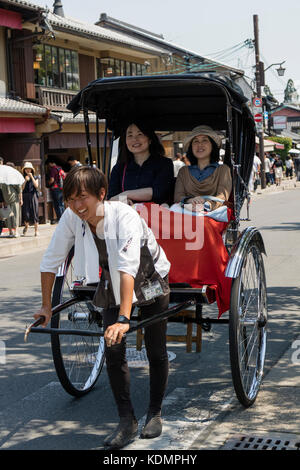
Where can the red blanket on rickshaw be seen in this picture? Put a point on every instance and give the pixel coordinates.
(195, 249)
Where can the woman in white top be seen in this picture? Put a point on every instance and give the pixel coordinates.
(114, 234)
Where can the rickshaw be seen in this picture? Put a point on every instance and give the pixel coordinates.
(171, 103)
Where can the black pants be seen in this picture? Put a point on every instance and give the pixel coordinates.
(58, 202)
(155, 342)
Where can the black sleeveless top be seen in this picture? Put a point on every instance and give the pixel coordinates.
(104, 296)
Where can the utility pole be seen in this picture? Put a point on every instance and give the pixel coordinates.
(259, 78)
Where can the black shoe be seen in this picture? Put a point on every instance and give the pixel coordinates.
(125, 432)
(153, 426)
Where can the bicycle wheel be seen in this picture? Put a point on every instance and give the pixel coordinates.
(78, 360)
(247, 327)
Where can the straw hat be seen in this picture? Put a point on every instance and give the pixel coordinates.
(28, 165)
(202, 130)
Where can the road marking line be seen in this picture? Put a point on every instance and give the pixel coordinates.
(194, 415)
(181, 430)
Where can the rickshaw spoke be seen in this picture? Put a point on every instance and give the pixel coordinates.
(78, 359)
(248, 336)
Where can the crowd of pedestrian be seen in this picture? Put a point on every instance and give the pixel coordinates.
(275, 170)
(20, 190)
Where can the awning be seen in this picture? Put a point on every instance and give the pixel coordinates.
(10, 19)
(16, 125)
(270, 144)
(73, 141)
(277, 145)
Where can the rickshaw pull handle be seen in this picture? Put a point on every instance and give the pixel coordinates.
(36, 323)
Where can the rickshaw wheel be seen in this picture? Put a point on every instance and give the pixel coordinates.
(78, 360)
(247, 326)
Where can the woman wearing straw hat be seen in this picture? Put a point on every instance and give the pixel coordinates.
(205, 176)
(30, 208)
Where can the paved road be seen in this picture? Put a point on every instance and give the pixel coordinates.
(36, 413)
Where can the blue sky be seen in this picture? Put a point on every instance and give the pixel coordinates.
(210, 27)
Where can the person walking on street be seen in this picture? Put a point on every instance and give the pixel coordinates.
(297, 167)
(56, 179)
(254, 174)
(289, 167)
(177, 163)
(113, 235)
(267, 169)
(12, 195)
(2, 222)
(30, 208)
(278, 170)
(272, 160)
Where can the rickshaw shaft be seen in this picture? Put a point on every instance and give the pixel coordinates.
(142, 324)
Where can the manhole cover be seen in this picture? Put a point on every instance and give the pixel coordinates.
(139, 358)
(243, 442)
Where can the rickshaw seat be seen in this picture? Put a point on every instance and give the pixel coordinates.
(198, 265)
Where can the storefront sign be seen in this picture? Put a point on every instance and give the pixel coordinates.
(16, 125)
(279, 122)
(10, 19)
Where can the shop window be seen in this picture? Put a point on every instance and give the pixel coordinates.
(122, 68)
(133, 69)
(128, 69)
(56, 67)
(108, 67)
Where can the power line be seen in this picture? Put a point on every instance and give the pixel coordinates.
(247, 43)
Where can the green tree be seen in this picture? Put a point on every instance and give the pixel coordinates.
(286, 141)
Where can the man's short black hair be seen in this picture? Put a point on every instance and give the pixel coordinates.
(84, 178)
(51, 159)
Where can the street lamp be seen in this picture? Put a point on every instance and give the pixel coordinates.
(280, 70)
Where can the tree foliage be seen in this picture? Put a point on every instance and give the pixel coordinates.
(286, 141)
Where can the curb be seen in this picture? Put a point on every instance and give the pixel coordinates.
(285, 186)
(13, 246)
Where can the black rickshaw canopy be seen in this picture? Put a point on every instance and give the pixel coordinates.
(168, 102)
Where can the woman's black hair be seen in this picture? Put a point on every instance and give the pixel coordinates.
(214, 156)
(24, 172)
(155, 147)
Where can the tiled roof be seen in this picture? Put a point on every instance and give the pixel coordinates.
(102, 33)
(68, 117)
(8, 105)
(99, 32)
(91, 30)
(24, 3)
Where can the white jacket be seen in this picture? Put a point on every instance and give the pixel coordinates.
(124, 233)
